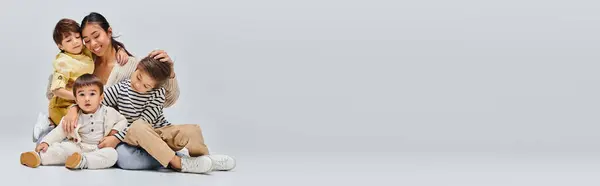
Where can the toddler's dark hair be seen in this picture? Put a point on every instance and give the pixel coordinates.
(87, 80)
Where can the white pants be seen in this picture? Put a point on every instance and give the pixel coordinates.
(58, 153)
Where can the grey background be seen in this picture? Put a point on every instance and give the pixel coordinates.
(353, 92)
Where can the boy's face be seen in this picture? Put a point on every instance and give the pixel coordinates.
(88, 98)
(141, 82)
(71, 43)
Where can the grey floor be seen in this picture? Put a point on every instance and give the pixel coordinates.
(253, 168)
(281, 168)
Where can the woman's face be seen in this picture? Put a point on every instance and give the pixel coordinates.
(96, 39)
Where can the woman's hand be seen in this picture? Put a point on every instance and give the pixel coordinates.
(69, 121)
(161, 55)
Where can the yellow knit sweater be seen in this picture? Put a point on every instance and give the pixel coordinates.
(68, 67)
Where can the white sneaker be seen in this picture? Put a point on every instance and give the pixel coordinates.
(42, 124)
(222, 162)
(200, 164)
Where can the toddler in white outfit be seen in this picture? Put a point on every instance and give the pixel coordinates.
(84, 149)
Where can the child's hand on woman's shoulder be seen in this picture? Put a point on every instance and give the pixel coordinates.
(122, 57)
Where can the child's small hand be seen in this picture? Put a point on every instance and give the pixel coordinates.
(42, 147)
(109, 141)
(122, 57)
(69, 121)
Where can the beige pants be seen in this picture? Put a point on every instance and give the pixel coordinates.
(161, 143)
(57, 154)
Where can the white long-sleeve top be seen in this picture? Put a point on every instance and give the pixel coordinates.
(91, 128)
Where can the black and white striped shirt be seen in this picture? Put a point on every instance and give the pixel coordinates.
(147, 106)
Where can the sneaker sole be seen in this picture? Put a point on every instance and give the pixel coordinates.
(73, 161)
(30, 159)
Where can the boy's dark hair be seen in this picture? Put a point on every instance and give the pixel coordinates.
(87, 80)
(63, 28)
(157, 70)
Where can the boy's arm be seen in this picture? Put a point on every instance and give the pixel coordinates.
(64, 93)
(56, 135)
(49, 93)
(154, 108)
(111, 94)
(151, 114)
(60, 78)
(120, 122)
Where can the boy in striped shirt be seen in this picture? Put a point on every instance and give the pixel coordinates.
(140, 99)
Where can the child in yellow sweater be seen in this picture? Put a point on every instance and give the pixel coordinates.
(73, 60)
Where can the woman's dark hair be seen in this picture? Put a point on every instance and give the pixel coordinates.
(100, 20)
